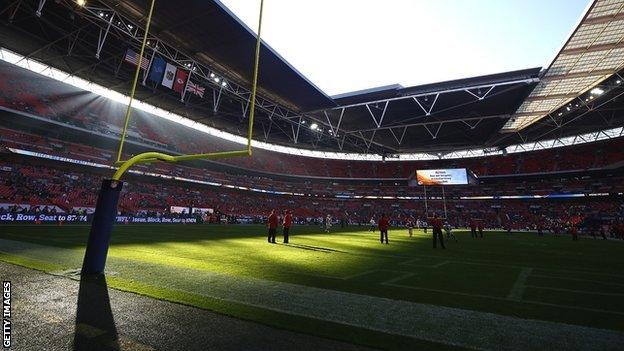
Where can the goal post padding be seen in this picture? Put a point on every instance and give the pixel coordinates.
(102, 227)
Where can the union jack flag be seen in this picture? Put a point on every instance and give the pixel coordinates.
(195, 89)
(132, 57)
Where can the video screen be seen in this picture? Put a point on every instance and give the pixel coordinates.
(452, 176)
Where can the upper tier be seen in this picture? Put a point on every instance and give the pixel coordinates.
(21, 90)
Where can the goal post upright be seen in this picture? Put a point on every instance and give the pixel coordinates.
(108, 197)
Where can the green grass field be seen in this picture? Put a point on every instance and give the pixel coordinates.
(233, 270)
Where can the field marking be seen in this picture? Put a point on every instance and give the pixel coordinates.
(490, 263)
(9, 242)
(575, 291)
(532, 302)
(360, 274)
(398, 317)
(412, 264)
(577, 279)
(440, 264)
(409, 262)
(403, 276)
(517, 290)
(315, 275)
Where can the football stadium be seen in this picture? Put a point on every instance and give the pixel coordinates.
(171, 181)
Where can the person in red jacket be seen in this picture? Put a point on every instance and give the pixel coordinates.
(473, 228)
(384, 224)
(272, 224)
(286, 224)
(436, 223)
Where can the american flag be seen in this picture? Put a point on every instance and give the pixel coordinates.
(195, 89)
(132, 57)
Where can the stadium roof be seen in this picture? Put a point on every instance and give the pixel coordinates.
(593, 53)
(209, 31)
(90, 42)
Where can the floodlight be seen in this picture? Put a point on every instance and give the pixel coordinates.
(597, 91)
(81, 3)
(314, 126)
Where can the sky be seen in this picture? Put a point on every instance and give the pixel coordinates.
(348, 45)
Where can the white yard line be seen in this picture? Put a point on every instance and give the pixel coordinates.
(421, 321)
(489, 297)
(451, 326)
(577, 279)
(356, 275)
(575, 291)
(403, 276)
(517, 290)
(441, 264)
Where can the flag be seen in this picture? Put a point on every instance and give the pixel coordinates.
(180, 80)
(132, 57)
(158, 70)
(169, 77)
(196, 89)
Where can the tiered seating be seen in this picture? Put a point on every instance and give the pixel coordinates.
(25, 91)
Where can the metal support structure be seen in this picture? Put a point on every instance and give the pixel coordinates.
(472, 126)
(40, 7)
(383, 113)
(100, 14)
(480, 96)
(427, 111)
(296, 133)
(431, 121)
(437, 131)
(398, 140)
(102, 40)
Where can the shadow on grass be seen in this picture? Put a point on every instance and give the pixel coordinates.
(312, 248)
(95, 325)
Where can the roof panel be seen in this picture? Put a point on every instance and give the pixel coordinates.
(606, 8)
(596, 57)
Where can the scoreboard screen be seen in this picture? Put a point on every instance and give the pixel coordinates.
(451, 176)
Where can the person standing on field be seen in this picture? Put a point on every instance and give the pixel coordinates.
(436, 224)
(384, 224)
(410, 226)
(449, 231)
(372, 224)
(480, 227)
(272, 224)
(328, 223)
(286, 225)
(473, 228)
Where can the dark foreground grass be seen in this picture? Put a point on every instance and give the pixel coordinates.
(565, 281)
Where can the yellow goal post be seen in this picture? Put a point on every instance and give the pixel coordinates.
(152, 156)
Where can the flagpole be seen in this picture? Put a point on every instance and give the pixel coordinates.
(188, 79)
(149, 66)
